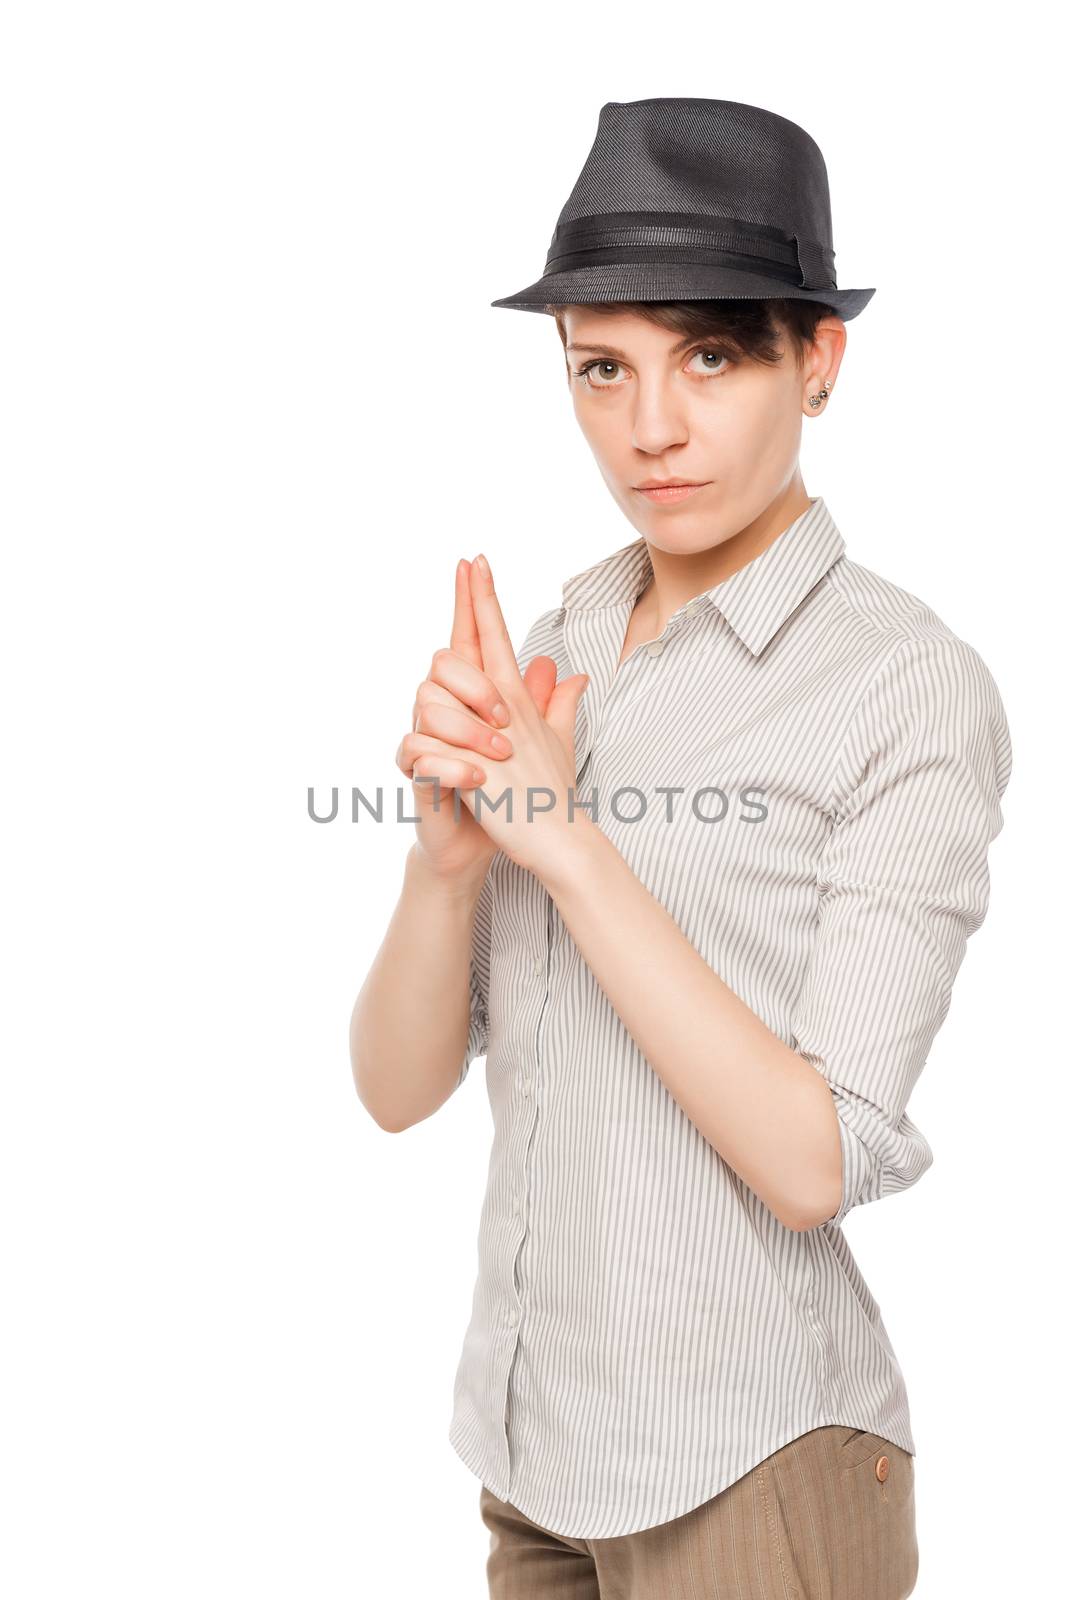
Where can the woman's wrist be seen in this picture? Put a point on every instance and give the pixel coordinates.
(570, 844)
(459, 888)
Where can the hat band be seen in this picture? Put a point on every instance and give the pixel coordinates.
(675, 236)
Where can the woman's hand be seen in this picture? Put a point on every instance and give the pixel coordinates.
(447, 835)
(456, 721)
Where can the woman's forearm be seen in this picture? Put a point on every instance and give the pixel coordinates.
(409, 1024)
(767, 1112)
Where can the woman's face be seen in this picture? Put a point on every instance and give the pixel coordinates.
(655, 406)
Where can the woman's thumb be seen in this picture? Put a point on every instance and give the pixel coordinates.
(563, 705)
(583, 681)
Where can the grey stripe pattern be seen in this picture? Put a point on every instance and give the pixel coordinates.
(643, 1329)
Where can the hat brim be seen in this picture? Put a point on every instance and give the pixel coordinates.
(621, 281)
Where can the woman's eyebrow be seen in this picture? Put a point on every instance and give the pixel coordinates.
(620, 355)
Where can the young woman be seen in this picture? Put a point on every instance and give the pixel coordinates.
(695, 870)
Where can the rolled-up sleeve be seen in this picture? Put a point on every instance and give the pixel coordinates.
(478, 977)
(902, 882)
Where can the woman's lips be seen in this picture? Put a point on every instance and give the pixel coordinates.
(680, 491)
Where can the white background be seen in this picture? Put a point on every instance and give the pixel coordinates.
(256, 405)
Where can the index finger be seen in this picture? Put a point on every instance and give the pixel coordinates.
(498, 657)
(464, 639)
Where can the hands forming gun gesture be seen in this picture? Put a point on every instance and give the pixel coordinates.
(479, 723)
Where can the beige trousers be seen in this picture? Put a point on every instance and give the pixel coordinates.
(830, 1516)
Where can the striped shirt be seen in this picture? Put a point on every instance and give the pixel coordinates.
(643, 1329)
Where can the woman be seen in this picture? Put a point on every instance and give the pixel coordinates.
(713, 841)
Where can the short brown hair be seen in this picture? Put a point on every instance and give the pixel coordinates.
(739, 328)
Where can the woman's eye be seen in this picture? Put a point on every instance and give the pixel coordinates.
(612, 367)
(710, 362)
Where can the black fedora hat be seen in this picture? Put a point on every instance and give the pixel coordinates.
(684, 199)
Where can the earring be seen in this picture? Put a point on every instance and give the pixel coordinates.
(816, 400)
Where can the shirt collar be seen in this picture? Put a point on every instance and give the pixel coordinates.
(756, 600)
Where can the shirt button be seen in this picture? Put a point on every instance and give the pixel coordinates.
(537, 964)
(655, 648)
(692, 605)
(882, 1468)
